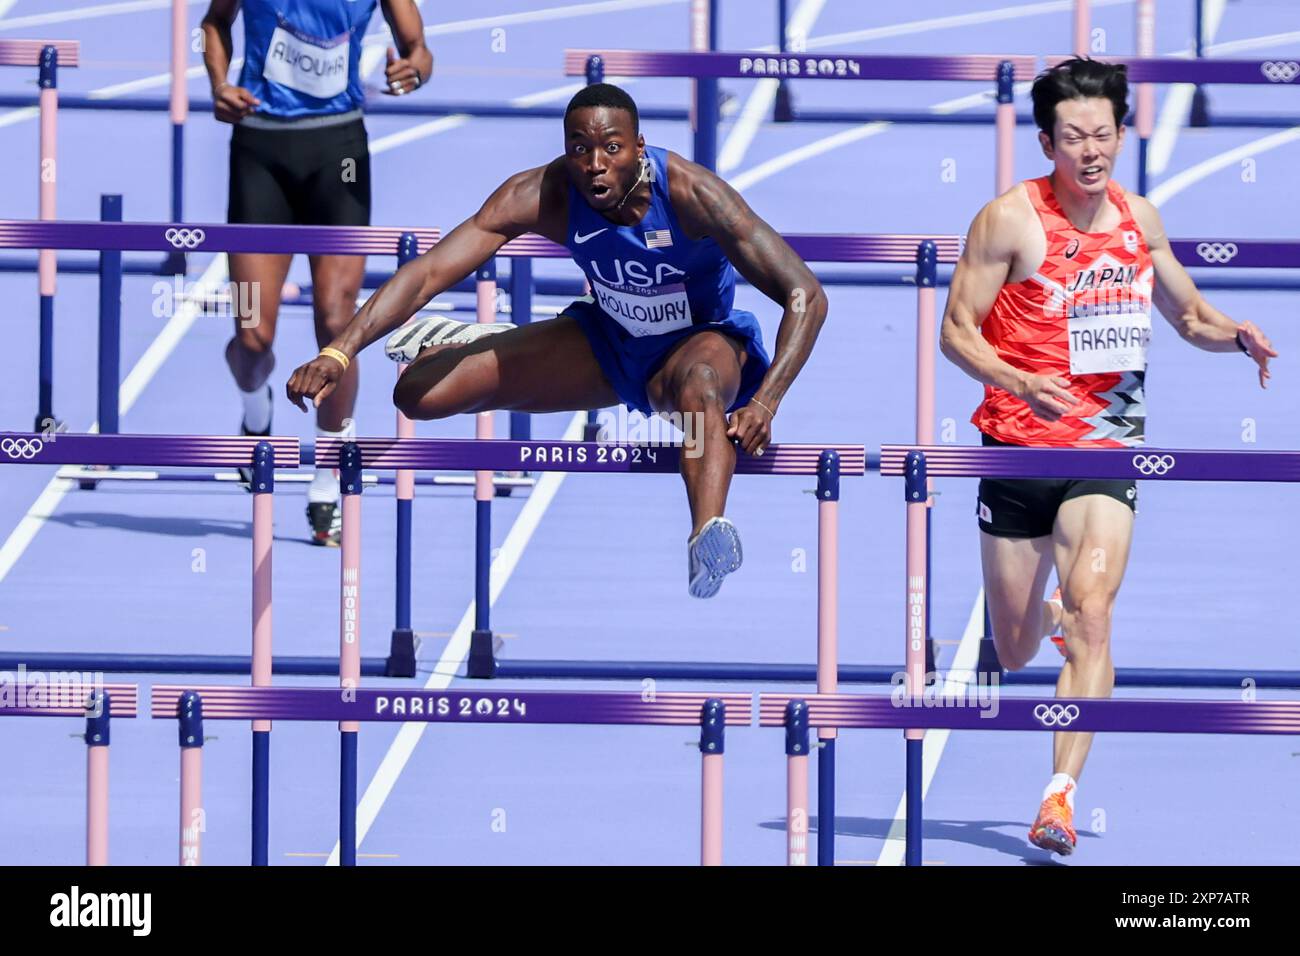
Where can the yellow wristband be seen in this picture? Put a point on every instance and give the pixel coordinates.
(337, 356)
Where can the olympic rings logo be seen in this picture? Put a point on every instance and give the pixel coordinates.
(21, 447)
(1054, 715)
(1280, 71)
(185, 238)
(1219, 252)
(1154, 464)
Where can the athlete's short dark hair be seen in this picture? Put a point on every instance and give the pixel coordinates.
(1075, 79)
(604, 94)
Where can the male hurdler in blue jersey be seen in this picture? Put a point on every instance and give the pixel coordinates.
(657, 237)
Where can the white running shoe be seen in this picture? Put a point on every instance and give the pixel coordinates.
(713, 554)
(406, 344)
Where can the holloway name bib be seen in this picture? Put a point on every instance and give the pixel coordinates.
(307, 64)
(1101, 343)
(651, 311)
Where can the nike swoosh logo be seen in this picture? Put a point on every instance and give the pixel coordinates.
(579, 239)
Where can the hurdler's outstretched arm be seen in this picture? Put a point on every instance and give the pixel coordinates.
(509, 212)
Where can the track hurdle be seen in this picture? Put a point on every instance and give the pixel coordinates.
(917, 464)
(98, 703)
(712, 713)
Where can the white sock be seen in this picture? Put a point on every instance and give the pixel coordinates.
(257, 408)
(325, 483)
(1062, 782)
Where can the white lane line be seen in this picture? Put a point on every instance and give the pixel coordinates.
(1177, 106)
(1252, 43)
(156, 80)
(22, 115)
(419, 131)
(503, 566)
(959, 677)
(534, 16)
(1194, 174)
(843, 138)
(791, 157)
(132, 386)
(758, 105)
(6, 6)
(445, 123)
(86, 13)
(950, 22)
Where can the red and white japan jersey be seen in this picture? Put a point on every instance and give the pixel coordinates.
(1085, 316)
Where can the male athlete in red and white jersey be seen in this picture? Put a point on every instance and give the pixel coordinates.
(1050, 307)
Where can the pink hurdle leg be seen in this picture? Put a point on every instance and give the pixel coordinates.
(486, 302)
(828, 576)
(711, 810)
(1082, 28)
(796, 810)
(192, 822)
(350, 600)
(796, 792)
(1005, 176)
(1146, 47)
(405, 480)
(179, 102)
(98, 709)
(349, 645)
(263, 534)
(46, 265)
(713, 722)
(917, 627)
(97, 805)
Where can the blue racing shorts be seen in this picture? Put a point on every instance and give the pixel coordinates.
(630, 361)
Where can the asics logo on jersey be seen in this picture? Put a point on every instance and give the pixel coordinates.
(1072, 249)
(579, 239)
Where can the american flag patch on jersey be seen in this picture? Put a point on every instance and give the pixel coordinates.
(658, 238)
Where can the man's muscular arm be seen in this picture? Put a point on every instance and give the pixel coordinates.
(983, 269)
(709, 207)
(509, 212)
(1181, 303)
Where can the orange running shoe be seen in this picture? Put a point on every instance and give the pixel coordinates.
(1058, 638)
(1053, 830)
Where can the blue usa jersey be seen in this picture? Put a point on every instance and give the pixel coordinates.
(303, 57)
(650, 278)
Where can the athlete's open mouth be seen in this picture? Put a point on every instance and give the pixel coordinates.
(1091, 173)
(599, 191)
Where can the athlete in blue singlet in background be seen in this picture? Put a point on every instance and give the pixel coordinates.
(657, 237)
(298, 156)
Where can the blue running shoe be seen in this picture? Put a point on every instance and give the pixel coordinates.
(714, 553)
